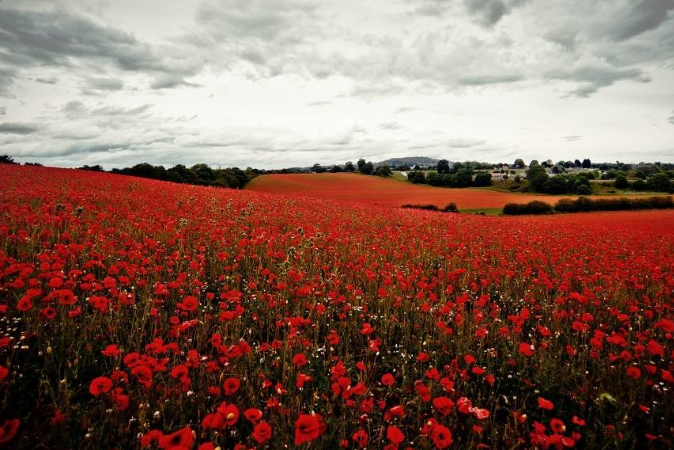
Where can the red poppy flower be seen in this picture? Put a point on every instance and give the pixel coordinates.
(182, 438)
(578, 421)
(388, 380)
(557, 426)
(299, 360)
(24, 304)
(213, 422)
(189, 303)
(230, 413)
(360, 437)
(231, 385)
(111, 350)
(262, 432)
(8, 430)
(480, 413)
(444, 405)
(100, 385)
(545, 404)
(253, 415)
(526, 349)
(394, 435)
(308, 427)
(441, 437)
(65, 297)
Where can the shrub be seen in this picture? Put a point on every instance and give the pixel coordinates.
(659, 182)
(556, 185)
(639, 185)
(535, 207)
(417, 177)
(482, 179)
(451, 208)
(583, 190)
(584, 204)
(424, 207)
(621, 182)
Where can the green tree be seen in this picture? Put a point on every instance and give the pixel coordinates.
(587, 164)
(463, 178)
(317, 168)
(659, 182)
(621, 182)
(366, 168)
(360, 163)
(518, 164)
(349, 167)
(203, 172)
(537, 177)
(443, 166)
(417, 177)
(384, 171)
(583, 190)
(556, 185)
(6, 159)
(482, 179)
(639, 185)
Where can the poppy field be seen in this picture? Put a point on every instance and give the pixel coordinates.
(148, 315)
(387, 192)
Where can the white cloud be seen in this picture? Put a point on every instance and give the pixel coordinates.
(236, 82)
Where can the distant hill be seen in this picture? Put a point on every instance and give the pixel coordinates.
(408, 161)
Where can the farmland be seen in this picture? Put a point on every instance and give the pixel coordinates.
(378, 191)
(143, 314)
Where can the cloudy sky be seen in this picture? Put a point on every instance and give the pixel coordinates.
(277, 83)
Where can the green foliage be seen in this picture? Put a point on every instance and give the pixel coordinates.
(639, 185)
(621, 182)
(537, 177)
(96, 168)
(659, 182)
(583, 190)
(383, 171)
(451, 207)
(584, 204)
(555, 185)
(482, 179)
(6, 159)
(366, 168)
(535, 207)
(200, 174)
(417, 177)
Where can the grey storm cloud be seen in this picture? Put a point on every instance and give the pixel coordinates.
(594, 76)
(49, 80)
(489, 11)
(485, 79)
(255, 18)
(18, 128)
(485, 12)
(104, 84)
(54, 38)
(6, 79)
(272, 85)
(643, 16)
